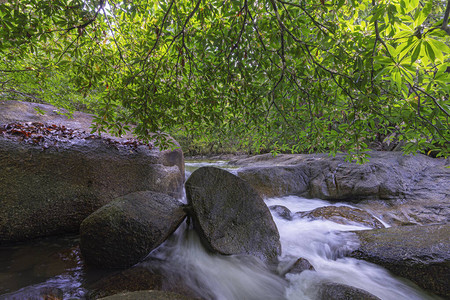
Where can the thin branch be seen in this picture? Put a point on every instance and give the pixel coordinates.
(114, 38)
(159, 32)
(318, 25)
(23, 94)
(432, 98)
(242, 29)
(446, 15)
(67, 48)
(425, 120)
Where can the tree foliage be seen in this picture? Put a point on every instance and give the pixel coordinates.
(278, 75)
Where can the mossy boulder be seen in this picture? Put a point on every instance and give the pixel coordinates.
(230, 216)
(124, 231)
(49, 188)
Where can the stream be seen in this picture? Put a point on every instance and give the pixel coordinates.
(56, 263)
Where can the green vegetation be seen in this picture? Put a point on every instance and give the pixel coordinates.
(270, 75)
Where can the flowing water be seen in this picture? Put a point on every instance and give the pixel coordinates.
(182, 258)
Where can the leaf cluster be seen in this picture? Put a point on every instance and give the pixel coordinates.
(275, 75)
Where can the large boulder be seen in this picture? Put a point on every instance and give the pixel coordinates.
(124, 231)
(230, 216)
(53, 173)
(401, 189)
(418, 253)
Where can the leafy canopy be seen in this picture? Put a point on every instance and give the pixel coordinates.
(277, 75)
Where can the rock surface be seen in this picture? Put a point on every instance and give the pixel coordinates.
(146, 276)
(418, 253)
(50, 189)
(300, 265)
(230, 216)
(338, 291)
(33, 293)
(400, 189)
(342, 215)
(129, 280)
(146, 295)
(124, 231)
(271, 182)
(282, 211)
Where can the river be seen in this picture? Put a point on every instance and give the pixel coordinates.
(57, 263)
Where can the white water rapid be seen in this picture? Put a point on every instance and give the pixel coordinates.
(322, 243)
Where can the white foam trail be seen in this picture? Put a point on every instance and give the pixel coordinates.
(323, 243)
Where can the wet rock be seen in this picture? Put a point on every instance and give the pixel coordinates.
(270, 182)
(230, 216)
(124, 231)
(146, 295)
(49, 189)
(338, 291)
(404, 212)
(343, 215)
(281, 211)
(400, 189)
(418, 253)
(35, 293)
(145, 276)
(130, 280)
(300, 265)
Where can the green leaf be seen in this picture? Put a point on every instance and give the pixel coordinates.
(440, 46)
(429, 51)
(411, 5)
(416, 52)
(396, 76)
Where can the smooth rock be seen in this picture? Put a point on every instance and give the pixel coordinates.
(281, 211)
(271, 182)
(300, 265)
(129, 280)
(418, 253)
(399, 189)
(48, 191)
(147, 295)
(230, 216)
(35, 293)
(338, 291)
(124, 231)
(342, 215)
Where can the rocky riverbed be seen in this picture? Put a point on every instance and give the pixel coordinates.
(127, 196)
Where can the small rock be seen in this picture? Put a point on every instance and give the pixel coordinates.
(281, 211)
(300, 265)
(343, 215)
(337, 291)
